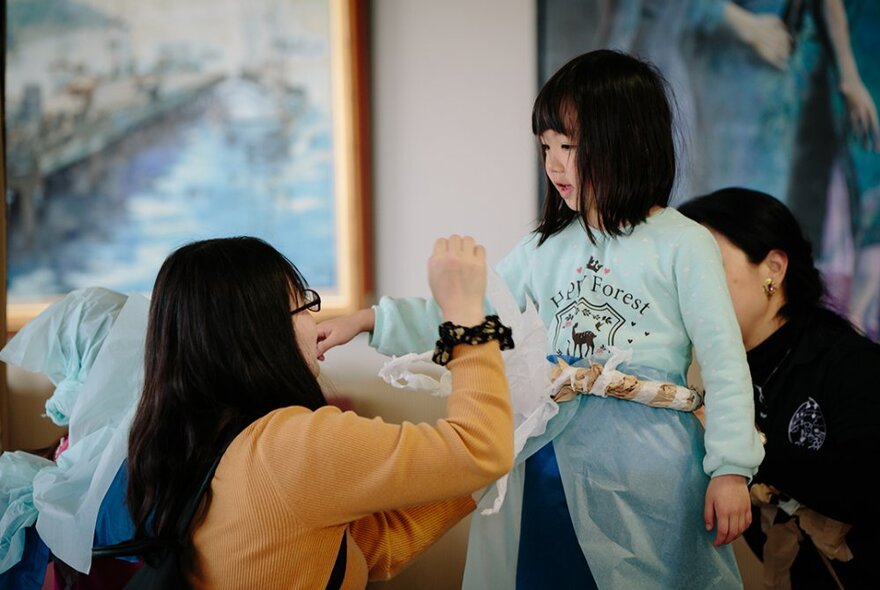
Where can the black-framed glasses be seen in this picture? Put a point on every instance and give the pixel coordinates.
(312, 302)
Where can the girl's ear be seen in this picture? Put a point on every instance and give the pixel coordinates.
(776, 263)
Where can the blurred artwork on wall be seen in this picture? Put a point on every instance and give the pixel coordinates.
(134, 127)
(773, 95)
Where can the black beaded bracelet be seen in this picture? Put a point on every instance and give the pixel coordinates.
(451, 334)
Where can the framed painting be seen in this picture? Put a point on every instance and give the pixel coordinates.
(132, 128)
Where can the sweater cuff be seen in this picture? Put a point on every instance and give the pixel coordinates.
(377, 327)
(734, 470)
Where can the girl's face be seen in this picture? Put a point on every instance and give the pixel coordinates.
(306, 331)
(560, 164)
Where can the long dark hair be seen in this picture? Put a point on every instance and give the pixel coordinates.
(757, 223)
(220, 353)
(617, 108)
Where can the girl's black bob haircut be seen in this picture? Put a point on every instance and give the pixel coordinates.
(616, 108)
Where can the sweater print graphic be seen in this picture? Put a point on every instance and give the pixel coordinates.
(807, 426)
(592, 313)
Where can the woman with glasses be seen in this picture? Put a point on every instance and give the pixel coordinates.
(816, 402)
(303, 487)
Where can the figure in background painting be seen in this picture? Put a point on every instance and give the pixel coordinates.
(745, 96)
(835, 177)
(781, 105)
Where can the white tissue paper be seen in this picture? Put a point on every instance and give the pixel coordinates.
(63, 342)
(525, 365)
(69, 494)
(417, 372)
(17, 512)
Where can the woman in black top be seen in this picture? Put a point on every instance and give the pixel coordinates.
(817, 400)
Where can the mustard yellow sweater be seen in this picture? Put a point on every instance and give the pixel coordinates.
(293, 482)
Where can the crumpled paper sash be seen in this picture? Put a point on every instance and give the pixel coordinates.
(607, 381)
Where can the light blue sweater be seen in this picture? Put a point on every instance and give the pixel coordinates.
(657, 291)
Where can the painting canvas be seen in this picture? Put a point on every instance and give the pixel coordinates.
(750, 115)
(135, 127)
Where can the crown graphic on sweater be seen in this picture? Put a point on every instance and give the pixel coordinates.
(594, 265)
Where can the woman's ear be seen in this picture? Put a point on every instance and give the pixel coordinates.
(776, 264)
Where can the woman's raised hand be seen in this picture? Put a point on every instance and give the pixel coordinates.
(457, 276)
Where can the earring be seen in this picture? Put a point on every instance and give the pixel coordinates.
(769, 287)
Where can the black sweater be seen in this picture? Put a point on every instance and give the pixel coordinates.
(817, 400)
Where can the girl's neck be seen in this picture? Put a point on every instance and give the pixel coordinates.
(593, 216)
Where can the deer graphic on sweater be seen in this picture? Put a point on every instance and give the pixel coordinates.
(580, 339)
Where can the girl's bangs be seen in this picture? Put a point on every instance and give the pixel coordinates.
(554, 111)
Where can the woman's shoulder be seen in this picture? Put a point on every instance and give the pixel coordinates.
(826, 327)
(835, 365)
(826, 319)
(297, 413)
(285, 428)
(282, 419)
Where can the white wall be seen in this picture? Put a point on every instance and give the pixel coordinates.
(453, 85)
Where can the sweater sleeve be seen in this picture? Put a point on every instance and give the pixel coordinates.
(344, 467)
(409, 324)
(516, 269)
(391, 539)
(404, 325)
(732, 443)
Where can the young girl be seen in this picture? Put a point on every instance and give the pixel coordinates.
(615, 493)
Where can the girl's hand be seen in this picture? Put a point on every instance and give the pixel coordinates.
(342, 329)
(728, 504)
(457, 275)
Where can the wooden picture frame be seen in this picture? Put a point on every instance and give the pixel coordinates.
(254, 47)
